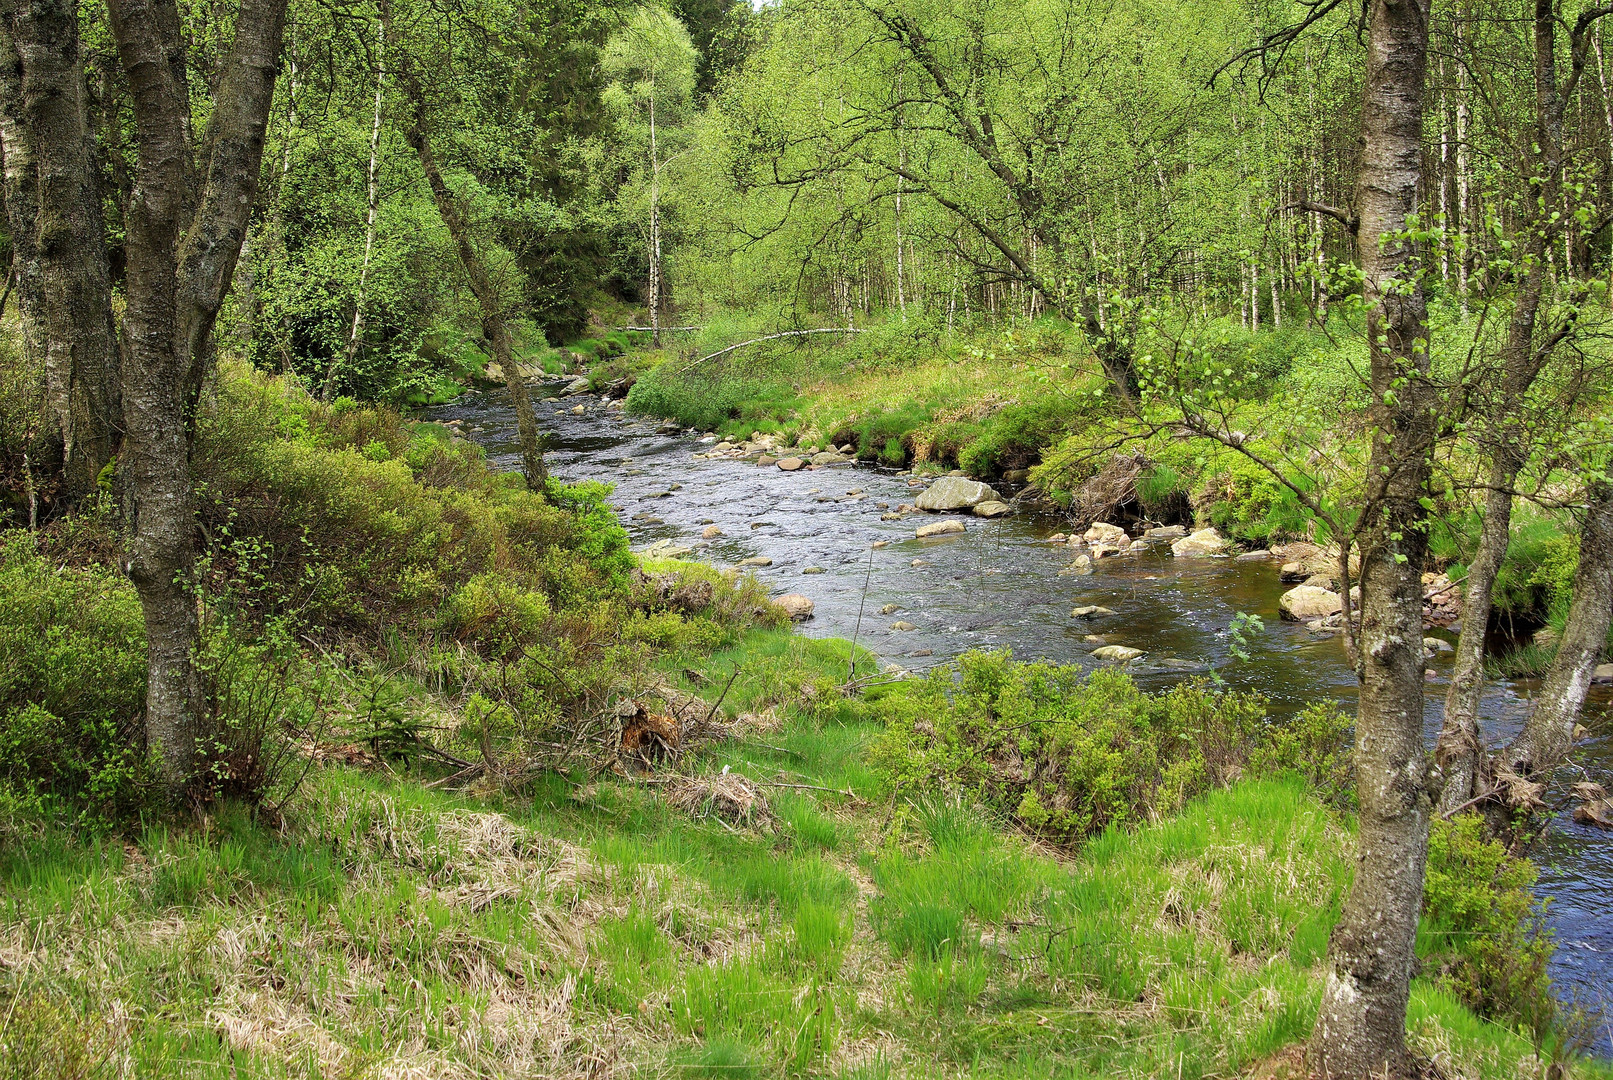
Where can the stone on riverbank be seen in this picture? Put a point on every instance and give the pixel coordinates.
(579, 385)
(1202, 544)
(955, 493)
(1293, 572)
(790, 464)
(795, 606)
(667, 549)
(939, 528)
(1106, 534)
(1305, 602)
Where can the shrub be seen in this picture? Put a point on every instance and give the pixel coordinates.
(72, 688)
(1481, 933)
(1314, 745)
(1064, 753)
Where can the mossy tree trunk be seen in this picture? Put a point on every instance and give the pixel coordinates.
(53, 205)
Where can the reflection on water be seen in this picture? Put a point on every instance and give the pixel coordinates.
(997, 585)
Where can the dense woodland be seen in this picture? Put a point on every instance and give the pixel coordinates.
(296, 670)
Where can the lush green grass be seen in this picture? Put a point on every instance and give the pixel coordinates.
(390, 926)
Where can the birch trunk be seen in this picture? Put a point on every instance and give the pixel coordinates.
(1549, 733)
(374, 204)
(1361, 1025)
(655, 231)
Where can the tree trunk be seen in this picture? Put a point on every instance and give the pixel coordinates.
(374, 203)
(56, 225)
(1361, 1026)
(655, 233)
(1460, 748)
(184, 236)
(494, 325)
(1464, 171)
(1549, 733)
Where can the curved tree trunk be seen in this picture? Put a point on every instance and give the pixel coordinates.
(1549, 733)
(1460, 749)
(1361, 1025)
(494, 324)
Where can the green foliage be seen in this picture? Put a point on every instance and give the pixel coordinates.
(1315, 745)
(1014, 436)
(708, 396)
(1065, 754)
(1481, 931)
(72, 688)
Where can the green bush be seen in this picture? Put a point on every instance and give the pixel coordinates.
(1064, 753)
(308, 517)
(1482, 936)
(1015, 436)
(72, 688)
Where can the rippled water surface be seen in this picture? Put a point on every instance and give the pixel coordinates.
(998, 585)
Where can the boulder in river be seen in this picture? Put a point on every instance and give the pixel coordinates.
(765, 460)
(1104, 533)
(1119, 654)
(813, 570)
(991, 508)
(1166, 532)
(1603, 673)
(1293, 572)
(890, 609)
(710, 532)
(795, 606)
(1082, 565)
(1091, 611)
(939, 528)
(756, 560)
(903, 626)
(955, 493)
(579, 385)
(1204, 543)
(1305, 602)
(790, 464)
(1254, 556)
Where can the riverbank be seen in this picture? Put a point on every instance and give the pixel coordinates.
(541, 807)
(762, 908)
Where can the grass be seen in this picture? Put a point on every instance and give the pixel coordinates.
(394, 929)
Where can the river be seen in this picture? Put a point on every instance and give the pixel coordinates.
(997, 585)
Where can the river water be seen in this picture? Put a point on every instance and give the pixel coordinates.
(997, 585)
